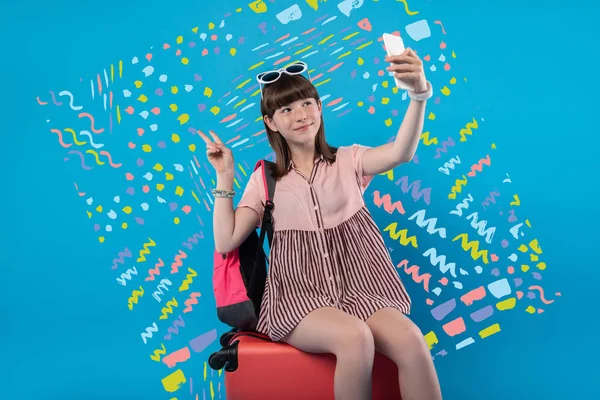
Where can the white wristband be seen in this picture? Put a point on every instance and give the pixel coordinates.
(422, 96)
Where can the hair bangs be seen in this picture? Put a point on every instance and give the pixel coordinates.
(286, 90)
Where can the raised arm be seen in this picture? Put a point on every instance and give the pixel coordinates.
(230, 227)
(379, 159)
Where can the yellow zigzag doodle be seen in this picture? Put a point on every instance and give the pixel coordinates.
(168, 309)
(185, 285)
(142, 258)
(158, 352)
(457, 188)
(404, 239)
(467, 130)
(517, 202)
(135, 295)
(473, 246)
(427, 141)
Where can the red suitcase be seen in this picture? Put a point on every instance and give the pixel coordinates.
(257, 368)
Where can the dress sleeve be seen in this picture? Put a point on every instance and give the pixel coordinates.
(357, 151)
(254, 195)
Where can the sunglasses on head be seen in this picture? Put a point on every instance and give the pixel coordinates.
(264, 78)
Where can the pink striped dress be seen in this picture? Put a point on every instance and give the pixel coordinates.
(327, 251)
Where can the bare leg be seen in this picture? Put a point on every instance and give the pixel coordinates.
(329, 330)
(398, 338)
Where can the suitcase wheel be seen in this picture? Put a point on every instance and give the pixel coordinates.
(225, 358)
(226, 337)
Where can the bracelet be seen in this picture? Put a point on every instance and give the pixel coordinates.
(223, 193)
(422, 96)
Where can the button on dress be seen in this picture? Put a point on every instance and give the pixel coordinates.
(327, 250)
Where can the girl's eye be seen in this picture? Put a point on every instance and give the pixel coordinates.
(307, 103)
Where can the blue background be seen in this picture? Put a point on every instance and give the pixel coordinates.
(531, 68)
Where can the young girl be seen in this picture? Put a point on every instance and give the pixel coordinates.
(331, 284)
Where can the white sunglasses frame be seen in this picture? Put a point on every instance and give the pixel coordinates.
(280, 71)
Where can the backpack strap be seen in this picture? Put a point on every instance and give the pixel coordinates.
(267, 219)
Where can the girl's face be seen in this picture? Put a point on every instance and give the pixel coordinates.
(297, 122)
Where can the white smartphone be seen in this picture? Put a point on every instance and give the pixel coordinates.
(394, 45)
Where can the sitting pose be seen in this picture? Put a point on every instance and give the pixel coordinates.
(331, 284)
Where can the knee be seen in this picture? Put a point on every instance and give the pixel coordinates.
(413, 348)
(356, 341)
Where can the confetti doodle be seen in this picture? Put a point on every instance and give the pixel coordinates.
(185, 285)
(193, 240)
(121, 258)
(126, 276)
(178, 263)
(145, 251)
(71, 99)
(429, 223)
(60, 138)
(174, 381)
(135, 295)
(154, 271)
(155, 356)
(401, 236)
(164, 283)
(58, 103)
(541, 291)
(444, 147)
(83, 165)
(149, 332)
(473, 246)
(463, 205)
(467, 130)
(436, 260)
(179, 356)
(413, 271)
(457, 188)
(91, 118)
(386, 202)
(416, 192)
(491, 198)
(478, 167)
(189, 302)
(168, 308)
(174, 328)
(449, 165)
(481, 227)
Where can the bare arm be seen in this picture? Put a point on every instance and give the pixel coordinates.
(231, 227)
(377, 160)
(382, 158)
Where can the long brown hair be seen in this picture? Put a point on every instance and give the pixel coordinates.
(288, 89)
